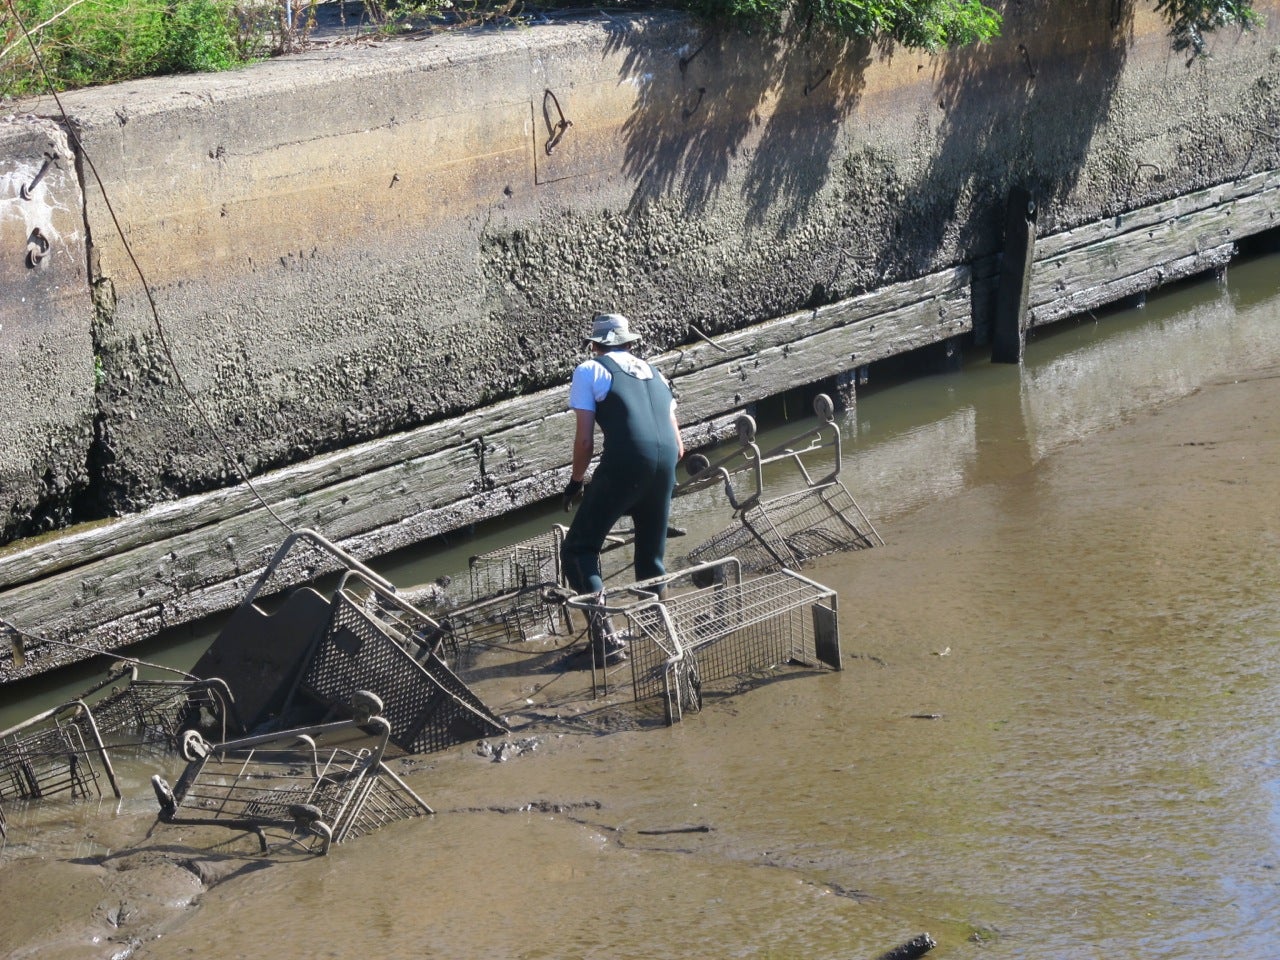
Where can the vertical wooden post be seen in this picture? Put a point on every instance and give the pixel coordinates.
(1014, 290)
(844, 388)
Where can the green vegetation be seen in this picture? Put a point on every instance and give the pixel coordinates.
(1192, 19)
(924, 24)
(86, 42)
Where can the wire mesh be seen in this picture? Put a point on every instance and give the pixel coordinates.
(157, 712)
(292, 781)
(373, 646)
(57, 752)
(518, 567)
(711, 625)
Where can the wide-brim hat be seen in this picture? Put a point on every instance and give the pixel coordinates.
(611, 330)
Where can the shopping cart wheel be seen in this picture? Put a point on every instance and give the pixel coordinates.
(194, 746)
(746, 425)
(305, 815)
(824, 408)
(695, 464)
(365, 705)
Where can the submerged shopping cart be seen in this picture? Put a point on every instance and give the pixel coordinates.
(314, 786)
(132, 711)
(375, 640)
(687, 631)
(817, 515)
(59, 752)
(510, 593)
(516, 592)
(302, 661)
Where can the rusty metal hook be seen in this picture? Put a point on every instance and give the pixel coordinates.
(37, 247)
(810, 87)
(557, 129)
(49, 160)
(1027, 57)
(685, 61)
(690, 111)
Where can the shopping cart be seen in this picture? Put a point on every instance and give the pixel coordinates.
(517, 592)
(315, 786)
(375, 640)
(57, 752)
(130, 711)
(688, 630)
(511, 593)
(769, 533)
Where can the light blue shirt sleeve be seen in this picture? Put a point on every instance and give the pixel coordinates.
(590, 385)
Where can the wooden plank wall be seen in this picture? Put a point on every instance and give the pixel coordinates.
(114, 583)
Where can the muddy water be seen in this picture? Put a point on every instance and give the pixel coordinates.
(1053, 736)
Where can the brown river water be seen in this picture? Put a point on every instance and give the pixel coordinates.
(1053, 736)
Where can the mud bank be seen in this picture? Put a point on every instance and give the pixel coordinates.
(607, 840)
(371, 263)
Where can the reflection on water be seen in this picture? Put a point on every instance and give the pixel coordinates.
(1053, 736)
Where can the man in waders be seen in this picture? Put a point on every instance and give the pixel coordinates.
(636, 412)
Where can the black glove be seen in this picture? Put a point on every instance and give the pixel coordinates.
(572, 493)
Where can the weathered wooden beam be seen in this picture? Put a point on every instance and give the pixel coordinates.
(1104, 262)
(24, 562)
(1083, 298)
(1009, 333)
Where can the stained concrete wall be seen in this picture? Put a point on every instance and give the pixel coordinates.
(369, 253)
(47, 376)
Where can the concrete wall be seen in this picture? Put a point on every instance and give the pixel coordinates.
(369, 262)
(47, 376)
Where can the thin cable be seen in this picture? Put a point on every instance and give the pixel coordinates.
(20, 653)
(146, 288)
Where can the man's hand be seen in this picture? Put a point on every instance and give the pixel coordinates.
(572, 494)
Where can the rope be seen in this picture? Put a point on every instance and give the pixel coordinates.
(146, 287)
(19, 653)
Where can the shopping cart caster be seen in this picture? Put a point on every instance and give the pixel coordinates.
(307, 818)
(194, 746)
(365, 706)
(824, 408)
(695, 463)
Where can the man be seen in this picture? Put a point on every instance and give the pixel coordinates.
(636, 412)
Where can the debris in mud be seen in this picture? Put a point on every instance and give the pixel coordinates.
(913, 948)
(507, 749)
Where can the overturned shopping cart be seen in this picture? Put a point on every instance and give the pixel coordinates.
(816, 514)
(313, 786)
(302, 661)
(687, 631)
(376, 640)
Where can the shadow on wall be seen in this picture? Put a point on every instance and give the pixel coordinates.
(782, 99)
(766, 178)
(1023, 112)
(1024, 109)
